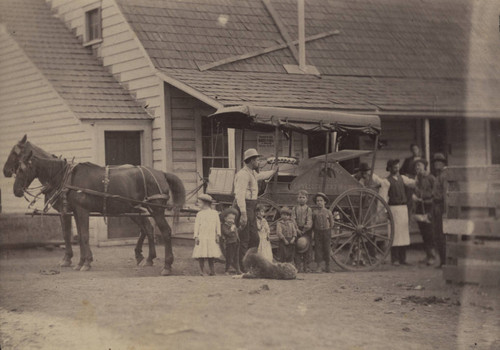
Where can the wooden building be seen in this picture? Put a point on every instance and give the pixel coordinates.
(430, 69)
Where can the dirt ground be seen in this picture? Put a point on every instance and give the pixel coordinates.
(118, 305)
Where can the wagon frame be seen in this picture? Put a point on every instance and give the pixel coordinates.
(364, 227)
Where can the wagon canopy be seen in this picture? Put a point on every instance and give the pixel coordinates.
(299, 120)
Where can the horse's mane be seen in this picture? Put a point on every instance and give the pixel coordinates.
(38, 151)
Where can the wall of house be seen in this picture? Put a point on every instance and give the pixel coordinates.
(121, 53)
(184, 118)
(468, 142)
(30, 105)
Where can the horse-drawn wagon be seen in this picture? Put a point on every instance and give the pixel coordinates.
(364, 229)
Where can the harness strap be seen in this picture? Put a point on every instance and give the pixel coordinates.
(154, 177)
(144, 182)
(106, 185)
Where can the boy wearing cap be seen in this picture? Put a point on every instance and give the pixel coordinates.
(302, 215)
(423, 205)
(246, 190)
(322, 227)
(438, 192)
(287, 233)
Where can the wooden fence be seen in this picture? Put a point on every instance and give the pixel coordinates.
(472, 225)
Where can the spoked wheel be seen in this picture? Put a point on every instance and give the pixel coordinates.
(271, 214)
(364, 230)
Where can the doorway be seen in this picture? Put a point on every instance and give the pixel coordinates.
(122, 147)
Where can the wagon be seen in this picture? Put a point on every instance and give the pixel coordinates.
(364, 228)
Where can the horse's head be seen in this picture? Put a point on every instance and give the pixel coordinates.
(15, 155)
(25, 174)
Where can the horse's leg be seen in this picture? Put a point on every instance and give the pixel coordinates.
(146, 229)
(82, 223)
(66, 231)
(166, 232)
(138, 247)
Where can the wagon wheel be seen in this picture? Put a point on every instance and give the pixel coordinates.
(363, 231)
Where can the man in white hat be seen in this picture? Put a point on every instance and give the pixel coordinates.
(246, 190)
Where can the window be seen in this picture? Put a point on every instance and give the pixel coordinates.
(214, 141)
(93, 25)
(495, 141)
(122, 147)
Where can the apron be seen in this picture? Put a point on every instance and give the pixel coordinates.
(401, 230)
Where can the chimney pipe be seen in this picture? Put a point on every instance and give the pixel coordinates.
(302, 36)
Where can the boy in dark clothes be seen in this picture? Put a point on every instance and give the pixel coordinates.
(231, 240)
(287, 233)
(322, 227)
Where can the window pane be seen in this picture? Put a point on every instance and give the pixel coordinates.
(495, 141)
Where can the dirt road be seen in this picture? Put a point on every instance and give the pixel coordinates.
(120, 306)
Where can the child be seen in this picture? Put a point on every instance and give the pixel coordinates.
(263, 229)
(322, 225)
(302, 214)
(207, 234)
(230, 236)
(287, 232)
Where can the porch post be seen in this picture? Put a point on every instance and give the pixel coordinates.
(427, 138)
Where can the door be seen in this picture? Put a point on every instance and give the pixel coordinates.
(438, 140)
(122, 147)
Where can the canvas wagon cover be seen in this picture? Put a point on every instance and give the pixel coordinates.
(298, 120)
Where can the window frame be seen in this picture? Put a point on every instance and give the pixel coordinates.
(88, 39)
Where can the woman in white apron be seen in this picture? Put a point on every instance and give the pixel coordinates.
(397, 202)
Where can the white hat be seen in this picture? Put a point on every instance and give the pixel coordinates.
(249, 153)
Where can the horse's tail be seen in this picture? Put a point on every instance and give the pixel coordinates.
(177, 189)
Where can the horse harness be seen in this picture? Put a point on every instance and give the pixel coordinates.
(146, 199)
(65, 186)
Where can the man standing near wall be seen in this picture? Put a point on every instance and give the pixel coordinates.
(246, 190)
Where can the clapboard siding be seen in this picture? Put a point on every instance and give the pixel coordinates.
(467, 142)
(122, 55)
(30, 105)
(399, 132)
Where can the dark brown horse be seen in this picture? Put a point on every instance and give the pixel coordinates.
(135, 183)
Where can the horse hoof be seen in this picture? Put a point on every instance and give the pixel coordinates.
(65, 263)
(85, 268)
(138, 260)
(77, 267)
(148, 263)
(166, 272)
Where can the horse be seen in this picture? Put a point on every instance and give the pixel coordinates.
(78, 188)
(24, 147)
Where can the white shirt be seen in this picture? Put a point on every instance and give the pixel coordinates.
(246, 187)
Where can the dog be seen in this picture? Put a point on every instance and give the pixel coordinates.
(258, 267)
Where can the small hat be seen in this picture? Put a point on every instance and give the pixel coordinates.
(364, 167)
(439, 157)
(303, 192)
(285, 210)
(320, 194)
(228, 211)
(421, 160)
(390, 163)
(249, 153)
(205, 198)
(302, 244)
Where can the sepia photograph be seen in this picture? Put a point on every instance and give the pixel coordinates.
(249, 174)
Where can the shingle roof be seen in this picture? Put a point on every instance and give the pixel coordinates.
(390, 38)
(389, 54)
(78, 76)
(343, 92)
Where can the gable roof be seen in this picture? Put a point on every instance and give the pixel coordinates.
(389, 55)
(78, 77)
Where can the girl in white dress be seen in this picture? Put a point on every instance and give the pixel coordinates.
(207, 234)
(263, 229)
